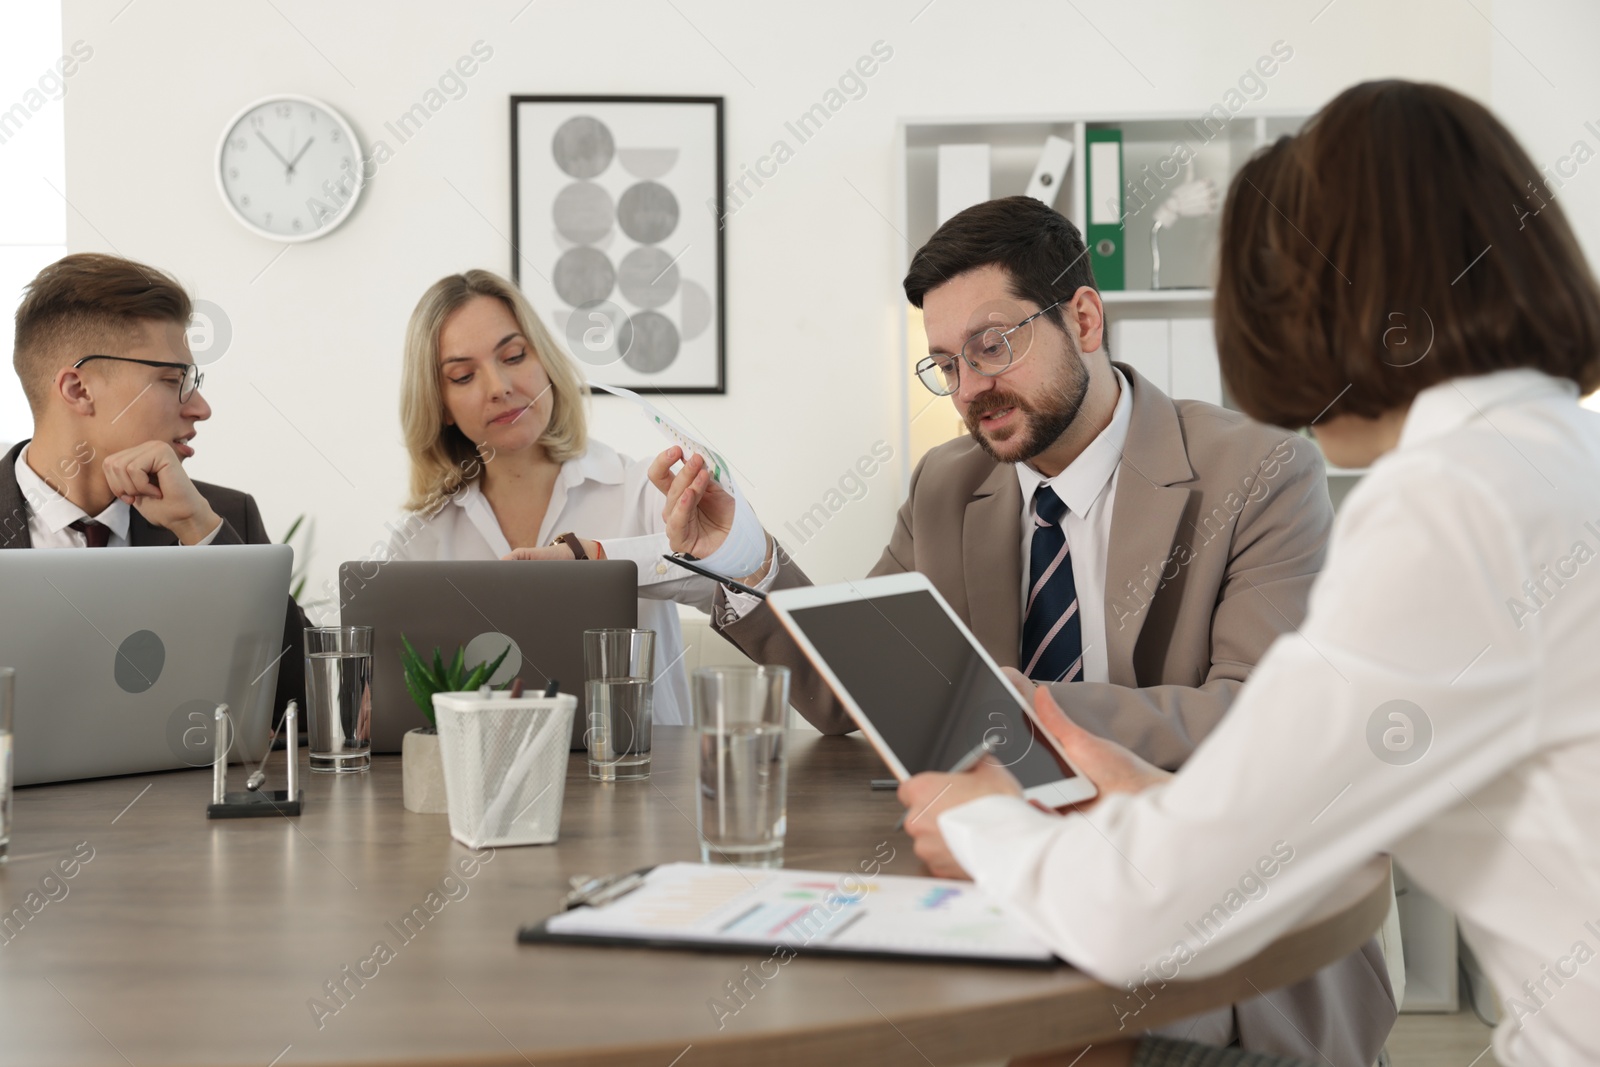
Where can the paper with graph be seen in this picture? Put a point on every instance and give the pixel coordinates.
(746, 544)
(692, 904)
(720, 471)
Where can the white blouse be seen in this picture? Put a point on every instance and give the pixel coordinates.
(1441, 702)
(600, 496)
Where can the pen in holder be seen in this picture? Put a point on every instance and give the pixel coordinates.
(505, 765)
(255, 802)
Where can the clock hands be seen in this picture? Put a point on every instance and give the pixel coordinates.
(300, 153)
(271, 149)
(288, 164)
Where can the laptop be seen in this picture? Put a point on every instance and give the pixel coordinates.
(540, 609)
(123, 654)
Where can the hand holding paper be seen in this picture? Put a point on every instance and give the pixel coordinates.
(699, 513)
(713, 522)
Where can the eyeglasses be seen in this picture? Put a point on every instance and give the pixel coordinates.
(192, 378)
(989, 352)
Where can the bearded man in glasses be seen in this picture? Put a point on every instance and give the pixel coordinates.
(102, 352)
(1136, 553)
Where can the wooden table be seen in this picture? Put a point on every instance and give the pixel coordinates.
(187, 941)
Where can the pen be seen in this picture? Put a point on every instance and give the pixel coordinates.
(964, 764)
(970, 760)
(688, 563)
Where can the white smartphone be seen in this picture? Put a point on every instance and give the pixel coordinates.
(918, 684)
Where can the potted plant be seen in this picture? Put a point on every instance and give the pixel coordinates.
(422, 767)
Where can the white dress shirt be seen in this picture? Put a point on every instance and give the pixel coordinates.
(600, 496)
(1441, 702)
(1088, 486)
(51, 515)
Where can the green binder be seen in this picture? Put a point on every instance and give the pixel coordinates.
(1104, 199)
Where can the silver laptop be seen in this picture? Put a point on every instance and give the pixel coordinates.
(538, 609)
(123, 654)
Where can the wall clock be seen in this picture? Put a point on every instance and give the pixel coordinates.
(289, 168)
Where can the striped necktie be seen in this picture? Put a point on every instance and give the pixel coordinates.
(95, 533)
(1052, 633)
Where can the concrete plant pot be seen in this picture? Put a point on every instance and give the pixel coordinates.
(422, 772)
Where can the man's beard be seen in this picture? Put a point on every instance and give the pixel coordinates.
(1044, 419)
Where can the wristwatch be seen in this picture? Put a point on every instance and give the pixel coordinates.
(571, 541)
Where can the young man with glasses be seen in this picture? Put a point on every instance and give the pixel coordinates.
(1136, 553)
(103, 355)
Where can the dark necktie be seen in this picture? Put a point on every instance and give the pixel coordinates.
(1052, 633)
(97, 534)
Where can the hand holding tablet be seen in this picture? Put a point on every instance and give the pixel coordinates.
(919, 686)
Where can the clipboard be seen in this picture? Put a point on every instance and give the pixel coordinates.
(702, 908)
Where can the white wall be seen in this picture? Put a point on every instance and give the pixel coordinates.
(306, 397)
(33, 223)
(1545, 82)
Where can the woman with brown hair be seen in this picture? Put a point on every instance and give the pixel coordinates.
(1396, 278)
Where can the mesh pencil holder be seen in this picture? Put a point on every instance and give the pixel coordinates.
(505, 765)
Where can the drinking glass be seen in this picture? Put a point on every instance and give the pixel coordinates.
(739, 713)
(619, 700)
(339, 698)
(8, 686)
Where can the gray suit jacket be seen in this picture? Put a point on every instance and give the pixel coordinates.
(1218, 529)
(241, 525)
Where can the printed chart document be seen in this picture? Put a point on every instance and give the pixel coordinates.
(746, 545)
(691, 905)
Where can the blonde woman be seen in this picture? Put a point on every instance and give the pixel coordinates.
(502, 465)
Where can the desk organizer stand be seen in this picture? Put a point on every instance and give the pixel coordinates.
(254, 803)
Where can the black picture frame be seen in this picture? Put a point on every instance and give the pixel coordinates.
(543, 294)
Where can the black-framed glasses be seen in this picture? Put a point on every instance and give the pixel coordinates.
(988, 352)
(192, 378)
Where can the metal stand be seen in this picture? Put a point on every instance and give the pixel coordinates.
(255, 803)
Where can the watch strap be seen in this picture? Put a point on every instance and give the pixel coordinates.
(572, 541)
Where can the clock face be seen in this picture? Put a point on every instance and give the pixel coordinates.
(289, 168)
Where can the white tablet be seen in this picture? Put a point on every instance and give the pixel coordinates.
(919, 685)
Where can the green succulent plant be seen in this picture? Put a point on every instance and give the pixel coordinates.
(424, 679)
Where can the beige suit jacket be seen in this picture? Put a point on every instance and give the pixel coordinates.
(1219, 526)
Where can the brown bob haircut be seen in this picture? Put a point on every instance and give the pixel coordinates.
(85, 304)
(1402, 239)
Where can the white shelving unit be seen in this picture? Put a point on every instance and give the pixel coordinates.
(1428, 932)
(1149, 141)
(1156, 296)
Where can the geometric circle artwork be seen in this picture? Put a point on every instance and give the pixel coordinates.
(648, 278)
(655, 343)
(647, 162)
(647, 212)
(139, 660)
(583, 212)
(629, 265)
(583, 275)
(583, 146)
(599, 333)
(696, 314)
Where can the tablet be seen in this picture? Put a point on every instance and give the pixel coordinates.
(918, 684)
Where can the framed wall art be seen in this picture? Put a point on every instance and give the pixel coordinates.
(616, 210)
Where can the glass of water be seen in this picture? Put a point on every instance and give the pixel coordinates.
(619, 700)
(739, 713)
(339, 698)
(8, 683)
